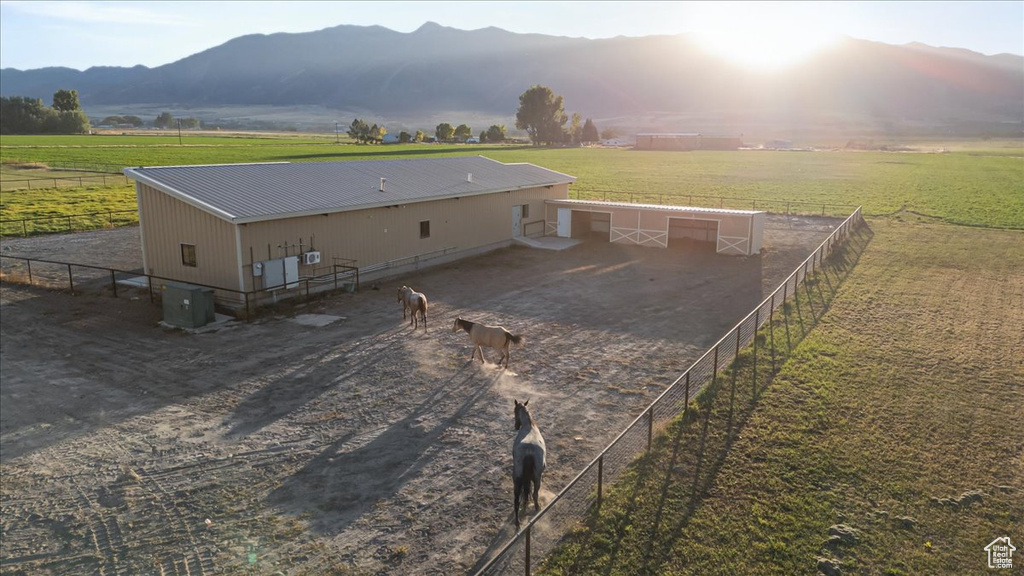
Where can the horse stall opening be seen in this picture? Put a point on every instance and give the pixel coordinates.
(588, 225)
(692, 233)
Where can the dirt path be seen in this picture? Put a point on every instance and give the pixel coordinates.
(357, 445)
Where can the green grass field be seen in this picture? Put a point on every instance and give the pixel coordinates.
(894, 425)
(977, 184)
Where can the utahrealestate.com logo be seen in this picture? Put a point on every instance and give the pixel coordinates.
(1000, 553)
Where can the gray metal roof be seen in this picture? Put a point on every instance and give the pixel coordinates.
(254, 192)
(667, 207)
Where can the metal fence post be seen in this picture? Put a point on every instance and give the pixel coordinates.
(149, 279)
(71, 279)
(527, 563)
(757, 322)
(29, 262)
(686, 396)
(24, 228)
(714, 372)
(113, 283)
(600, 479)
(650, 428)
(771, 329)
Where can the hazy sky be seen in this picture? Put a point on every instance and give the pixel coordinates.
(83, 34)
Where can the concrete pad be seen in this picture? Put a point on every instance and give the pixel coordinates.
(548, 242)
(316, 320)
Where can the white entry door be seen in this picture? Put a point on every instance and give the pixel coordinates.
(564, 222)
(517, 220)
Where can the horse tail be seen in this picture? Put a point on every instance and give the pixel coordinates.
(516, 339)
(527, 479)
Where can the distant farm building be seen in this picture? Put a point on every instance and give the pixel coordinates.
(687, 141)
(249, 227)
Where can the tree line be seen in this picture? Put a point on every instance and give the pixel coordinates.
(363, 133)
(541, 114)
(21, 115)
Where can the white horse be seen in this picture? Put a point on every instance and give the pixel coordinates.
(491, 336)
(415, 302)
(529, 456)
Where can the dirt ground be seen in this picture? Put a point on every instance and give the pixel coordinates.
(330, 437)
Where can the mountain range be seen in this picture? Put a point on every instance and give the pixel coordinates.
(650, 83)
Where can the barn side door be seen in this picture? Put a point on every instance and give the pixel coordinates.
(517, 221)
(564, 222)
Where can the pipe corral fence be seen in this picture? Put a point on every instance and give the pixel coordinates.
(579, 498)
(342, 275)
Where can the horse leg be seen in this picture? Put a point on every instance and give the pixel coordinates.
(536, 491)
(515, 506)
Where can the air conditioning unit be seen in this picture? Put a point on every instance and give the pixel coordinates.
(311, 257)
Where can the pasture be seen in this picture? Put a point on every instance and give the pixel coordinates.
(890, 442)
(336, 437)
(971, 183)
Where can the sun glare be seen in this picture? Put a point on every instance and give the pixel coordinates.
(763, 36)
(768, 49)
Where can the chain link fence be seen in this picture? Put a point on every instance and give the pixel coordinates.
(572, 505)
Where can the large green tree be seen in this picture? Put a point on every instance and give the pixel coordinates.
(463, 132)
(164, 120)
(590, 131)
(542, 115)
(496, 133)
(359, 131)
(444, 132)
(66, 100)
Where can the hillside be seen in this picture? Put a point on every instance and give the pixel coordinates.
(652, 83)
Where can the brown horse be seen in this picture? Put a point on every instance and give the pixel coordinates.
(491, 336)
(415, 302)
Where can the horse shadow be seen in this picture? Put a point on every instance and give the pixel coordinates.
(294, 388)
(351, 475)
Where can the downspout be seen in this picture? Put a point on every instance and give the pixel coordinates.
(142, 233)
(238, 256)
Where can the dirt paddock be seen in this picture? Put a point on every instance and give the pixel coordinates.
(331, 437)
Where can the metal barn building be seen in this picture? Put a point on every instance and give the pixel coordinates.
(733, 232)
(687, 141)
(247, 227)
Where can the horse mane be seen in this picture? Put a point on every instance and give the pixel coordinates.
(465, 324)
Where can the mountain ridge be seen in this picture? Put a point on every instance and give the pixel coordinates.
(854, 84)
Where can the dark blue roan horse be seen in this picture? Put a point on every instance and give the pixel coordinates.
(528, 458)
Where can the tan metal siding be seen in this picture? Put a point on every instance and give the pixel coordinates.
(167, 223)
(379, 235)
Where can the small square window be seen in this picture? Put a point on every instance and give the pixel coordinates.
(425, 229)
(188, 255)
(526, 210)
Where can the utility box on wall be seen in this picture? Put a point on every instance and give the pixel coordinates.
(187, 306)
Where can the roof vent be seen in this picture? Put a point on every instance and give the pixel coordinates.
(382, 182)
(469, 177)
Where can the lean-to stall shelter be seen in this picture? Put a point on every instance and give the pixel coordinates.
(733, 232)
(249, 227)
